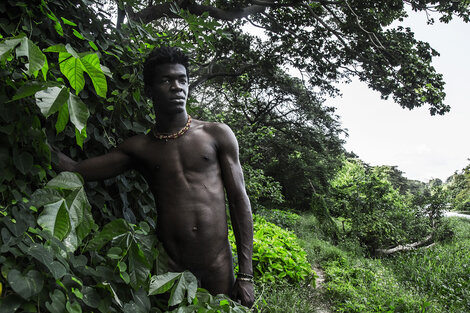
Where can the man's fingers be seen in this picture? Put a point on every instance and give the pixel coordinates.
(245, 293)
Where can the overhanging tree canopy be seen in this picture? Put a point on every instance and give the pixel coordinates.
(325, 40)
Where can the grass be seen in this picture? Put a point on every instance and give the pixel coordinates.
(434, 280)
(286, 298)
(441, 272)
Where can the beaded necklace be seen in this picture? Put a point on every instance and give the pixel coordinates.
(178, 134)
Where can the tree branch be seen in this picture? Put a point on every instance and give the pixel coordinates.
(407, 247)
(203, 78)
(160, 10)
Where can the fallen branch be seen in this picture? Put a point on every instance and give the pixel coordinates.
(407, 247)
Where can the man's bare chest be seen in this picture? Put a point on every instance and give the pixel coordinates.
(184, 155)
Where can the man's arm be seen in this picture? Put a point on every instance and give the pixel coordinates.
(240, 209)
(97, 168)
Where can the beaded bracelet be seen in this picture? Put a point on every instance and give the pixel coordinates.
(245, 279)
(245, 275)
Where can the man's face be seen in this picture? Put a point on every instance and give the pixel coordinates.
(170, 88)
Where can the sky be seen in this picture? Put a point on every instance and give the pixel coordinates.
(420, 145)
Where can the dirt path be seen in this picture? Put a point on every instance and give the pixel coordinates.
(322, 306)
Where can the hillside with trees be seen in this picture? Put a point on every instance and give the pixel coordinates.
(71, 79)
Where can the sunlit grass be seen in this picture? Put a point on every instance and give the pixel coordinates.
(286, 298)
(441, 272)
(433, 280)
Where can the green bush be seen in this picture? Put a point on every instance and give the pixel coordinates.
(441, 272)
(284, 219)
(277, 254)
(58, 261)
(379, 216)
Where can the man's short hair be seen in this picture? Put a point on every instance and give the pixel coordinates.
(162, 55)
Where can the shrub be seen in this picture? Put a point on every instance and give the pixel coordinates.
(277, 254)
(379, 215)
(89, 270)
(284, 219)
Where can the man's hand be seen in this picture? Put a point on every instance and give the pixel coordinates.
(243, 291)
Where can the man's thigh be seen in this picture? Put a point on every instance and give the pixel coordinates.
(217, 279)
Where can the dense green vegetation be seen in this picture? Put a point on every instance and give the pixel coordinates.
(71, 78)
(433, 279)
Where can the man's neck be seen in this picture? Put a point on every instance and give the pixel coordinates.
(167, 123)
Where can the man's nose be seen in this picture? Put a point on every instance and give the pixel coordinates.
(175, 85)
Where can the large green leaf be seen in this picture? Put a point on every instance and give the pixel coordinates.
(142, 300)
(91, 64)
(36, 58)
(77, 203)
(56, 48)
(23, 162)
(55, 218)
(91, 297)
(78, 206)
(8, 44)
(46, 257)
(73, 307)
(57, 305)
(162, 283)
(86, 225)
(62, 118)
(45, 69)
(80, 136)
(42, 197)
(25, 285)
(71, 241)
(66, 180)
(72, 68)
(32, 87)
(69, 218)
(111, 230)
(139, 267)
(147, 245)
(51, 99)
(186, 284)
(78, 112)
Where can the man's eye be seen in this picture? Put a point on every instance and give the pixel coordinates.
(183, 81)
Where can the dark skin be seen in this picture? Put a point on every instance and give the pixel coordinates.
(188, 177)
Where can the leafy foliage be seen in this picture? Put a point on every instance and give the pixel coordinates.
(283, 219)
(367, 286)
(458, 186)
(379, 216)
(440, 272)
(112, 272)
(277, 254)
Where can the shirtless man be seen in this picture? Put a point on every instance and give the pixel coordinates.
(187, 165)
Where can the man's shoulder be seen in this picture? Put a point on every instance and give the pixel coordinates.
(213, 128)
(134, 142)
(221, 133)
